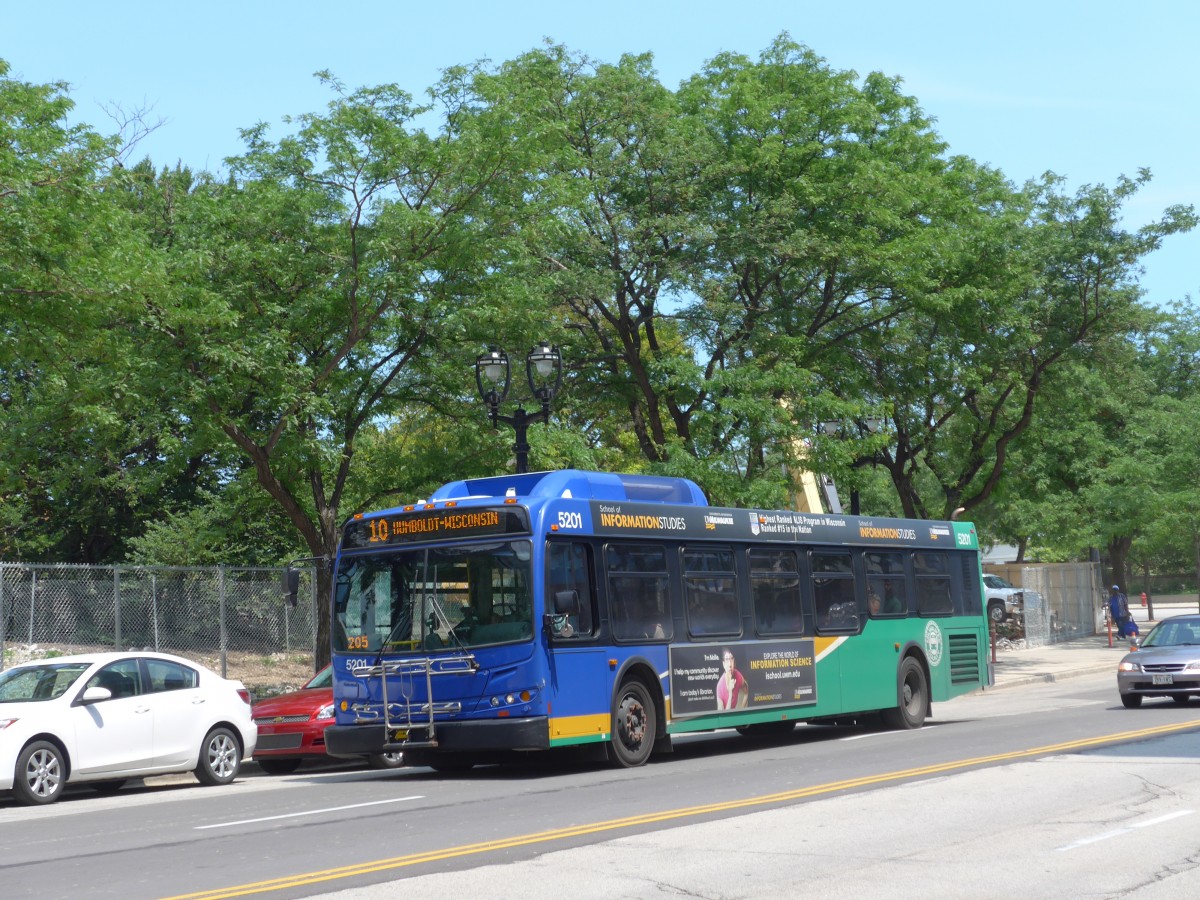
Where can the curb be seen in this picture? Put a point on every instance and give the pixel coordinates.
(1048, 677)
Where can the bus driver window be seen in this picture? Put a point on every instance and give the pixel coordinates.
(568, 590)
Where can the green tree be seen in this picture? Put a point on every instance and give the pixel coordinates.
(1107, 462)
(824, 200)
(308, 294)
(720, 247)
(963, 384)
(82, 456)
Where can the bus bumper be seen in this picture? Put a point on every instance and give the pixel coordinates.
(490, 734)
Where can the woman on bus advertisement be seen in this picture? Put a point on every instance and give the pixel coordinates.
(731, 686)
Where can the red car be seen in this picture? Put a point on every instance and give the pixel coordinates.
(291, 728)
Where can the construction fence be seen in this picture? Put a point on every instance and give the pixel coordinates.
(229, 619)
(1063, 601)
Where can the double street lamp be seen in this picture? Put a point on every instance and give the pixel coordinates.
(543, 370)
(869, 425)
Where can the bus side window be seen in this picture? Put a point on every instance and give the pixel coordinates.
(569, 590)
(932, 570)
(886, 593)
(833, 591)
(775, 586)
(710, 591)
(637, 592)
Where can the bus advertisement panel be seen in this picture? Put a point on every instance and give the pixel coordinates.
(743, 675)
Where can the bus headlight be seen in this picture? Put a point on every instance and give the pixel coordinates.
(512, 699)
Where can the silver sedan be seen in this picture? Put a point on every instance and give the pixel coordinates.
(1166, 664)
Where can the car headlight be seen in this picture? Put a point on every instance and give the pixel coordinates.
(1127, 666)
(1193, 666)
(325, 712)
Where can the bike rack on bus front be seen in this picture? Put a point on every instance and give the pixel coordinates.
(401, 733)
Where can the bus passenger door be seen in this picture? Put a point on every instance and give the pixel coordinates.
(579, 676)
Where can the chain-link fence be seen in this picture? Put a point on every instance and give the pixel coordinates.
(234, 620)
(1062, 601)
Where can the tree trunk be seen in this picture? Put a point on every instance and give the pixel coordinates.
(1118, 559)
(323, 612)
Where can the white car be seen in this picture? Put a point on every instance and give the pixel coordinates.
(103, 718)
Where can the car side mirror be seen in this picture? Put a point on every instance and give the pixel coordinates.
(95, 695)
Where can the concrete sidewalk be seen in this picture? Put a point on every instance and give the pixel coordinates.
(1081, 656)
(1055, 662)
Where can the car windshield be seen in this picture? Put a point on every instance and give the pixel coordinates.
(43, 681)
(996, 581)
(322, 679)
(1174, 634)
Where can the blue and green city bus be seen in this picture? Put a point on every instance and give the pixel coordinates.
(540, 610)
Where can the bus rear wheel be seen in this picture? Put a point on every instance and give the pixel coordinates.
(913, 697)
(634, 724)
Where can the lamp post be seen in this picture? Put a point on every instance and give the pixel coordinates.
(543, 370)
(869, 425)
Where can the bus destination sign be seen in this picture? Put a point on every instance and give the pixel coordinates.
(435, 525)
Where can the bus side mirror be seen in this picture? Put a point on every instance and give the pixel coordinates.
(566, 603)
(291, 585)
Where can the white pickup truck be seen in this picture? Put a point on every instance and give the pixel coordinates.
(1004, 599)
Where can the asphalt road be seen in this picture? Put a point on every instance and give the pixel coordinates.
(1008, 792)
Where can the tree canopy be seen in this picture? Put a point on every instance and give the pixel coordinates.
(194, 367)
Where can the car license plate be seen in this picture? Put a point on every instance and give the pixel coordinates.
(1163, 679)
(401, 734)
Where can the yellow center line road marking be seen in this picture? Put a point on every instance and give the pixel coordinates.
(400, 862)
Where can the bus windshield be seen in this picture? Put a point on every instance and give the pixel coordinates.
(424, 599)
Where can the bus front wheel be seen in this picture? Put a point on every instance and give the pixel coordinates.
(633, 725)
(912, 696)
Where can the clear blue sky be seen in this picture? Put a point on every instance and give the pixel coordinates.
(1089, 90)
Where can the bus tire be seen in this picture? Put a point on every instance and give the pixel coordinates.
(912, 697)
(634, 725)
(391, 759)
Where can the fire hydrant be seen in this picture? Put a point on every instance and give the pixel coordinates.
(1143, 598)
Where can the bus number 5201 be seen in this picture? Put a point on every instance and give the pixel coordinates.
(570, 520)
